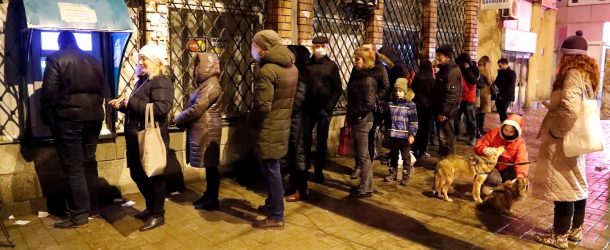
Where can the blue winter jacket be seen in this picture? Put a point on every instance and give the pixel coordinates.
(404, 119)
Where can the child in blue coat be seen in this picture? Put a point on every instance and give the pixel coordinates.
(401, 130)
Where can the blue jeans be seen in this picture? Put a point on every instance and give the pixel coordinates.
(360, 136)
(275, 189)
(76, 142)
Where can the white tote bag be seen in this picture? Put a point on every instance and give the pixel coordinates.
(586, 134)
(152, 148)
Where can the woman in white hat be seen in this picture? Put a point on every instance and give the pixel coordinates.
(154, 86)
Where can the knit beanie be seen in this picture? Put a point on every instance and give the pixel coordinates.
(267, 39)
(574, 45)
(153, 53)
(401, 83)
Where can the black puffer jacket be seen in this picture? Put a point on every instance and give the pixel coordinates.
(361, 93)
(296, 152)
(447, 89)
(160, 92)
(202, 117)
(505, 81)
(73, 87)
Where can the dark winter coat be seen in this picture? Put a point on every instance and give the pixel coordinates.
(324, 85)
(160, 92)
(202, 117)
(274, 91)
(423, 85)
(73, 87)
(296, 152)
(447, 89)
(361, 93)
(505, 81)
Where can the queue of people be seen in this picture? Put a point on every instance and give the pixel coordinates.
(296, 91)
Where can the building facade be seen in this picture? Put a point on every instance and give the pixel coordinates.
(29, 167)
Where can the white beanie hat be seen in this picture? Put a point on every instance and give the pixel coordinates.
(154, 53)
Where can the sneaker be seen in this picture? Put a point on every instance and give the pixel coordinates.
(269, 223)
(552, 239)
(575, 234)
(360, 194)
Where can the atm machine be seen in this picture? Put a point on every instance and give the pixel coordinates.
(102, 28)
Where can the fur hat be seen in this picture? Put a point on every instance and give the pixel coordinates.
(267, 39)
(446, 50)
(574, 45)
(516, 121)
(153, 53)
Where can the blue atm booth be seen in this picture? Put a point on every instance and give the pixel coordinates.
(102, 29)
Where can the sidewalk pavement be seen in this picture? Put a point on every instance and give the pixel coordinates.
(396, 217)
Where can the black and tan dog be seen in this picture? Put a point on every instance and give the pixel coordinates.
(505, 196)
(474, 167)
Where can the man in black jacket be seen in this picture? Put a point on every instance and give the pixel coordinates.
(323, 91)
(72, 97)
(505, 81)
(448, 90)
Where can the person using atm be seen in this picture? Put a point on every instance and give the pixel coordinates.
(72, 96)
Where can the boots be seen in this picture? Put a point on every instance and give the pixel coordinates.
(391, 176)
(555, 240)
(575, 234)
(406, 173)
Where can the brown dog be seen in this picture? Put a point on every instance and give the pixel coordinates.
(505, 196)
(473, 167)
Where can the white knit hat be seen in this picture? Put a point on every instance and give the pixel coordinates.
(154, 53)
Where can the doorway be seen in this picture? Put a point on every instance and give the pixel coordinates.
(519, 62)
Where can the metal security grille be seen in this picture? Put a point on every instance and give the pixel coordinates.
(402, 29)
(451, 24)
(127, 78)
(11, 114)
(336, 21)
(224, 28)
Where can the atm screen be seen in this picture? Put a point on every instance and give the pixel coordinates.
(48, 40)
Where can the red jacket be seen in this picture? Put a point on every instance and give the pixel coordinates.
(515, 151)
(469, 92)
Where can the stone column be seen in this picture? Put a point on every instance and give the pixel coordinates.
(471, 19)
(374, 26)
(156, 28)
(429, 30)
(305, 21)
(279, 18)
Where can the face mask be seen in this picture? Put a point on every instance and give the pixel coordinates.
(319, 53)
(256, 55)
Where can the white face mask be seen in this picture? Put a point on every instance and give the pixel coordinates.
(256, 55)
(320, 52)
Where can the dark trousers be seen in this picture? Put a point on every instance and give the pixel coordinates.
(275, 189)
(378, 121)
(360, 136)
(496, 177)
(212, 178)
(446, 137)
(502, 107)
(76, 142)
(322, 123)
(400, 145)
(568, 214)
(152, 188)
(425, 120)
(469, 110)
(481, 122)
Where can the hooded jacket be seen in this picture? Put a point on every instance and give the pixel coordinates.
(274, 91)
(202, 117)
(515, 150)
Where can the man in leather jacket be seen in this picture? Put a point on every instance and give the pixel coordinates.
(448, 90)
(73, 92)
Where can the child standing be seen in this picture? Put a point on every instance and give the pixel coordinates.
(402, 130)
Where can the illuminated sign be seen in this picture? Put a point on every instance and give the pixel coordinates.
(519, 41)
(48, 40)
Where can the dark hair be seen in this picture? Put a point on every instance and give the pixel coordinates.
(484, 60)
(301, 56)
(503, 61)
(463, 58)
(65, 38)
(425, 66)
(446, 50)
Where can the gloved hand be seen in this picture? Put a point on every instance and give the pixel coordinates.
(489, 151)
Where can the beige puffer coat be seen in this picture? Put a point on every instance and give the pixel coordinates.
(202, 117)
(555, 176)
